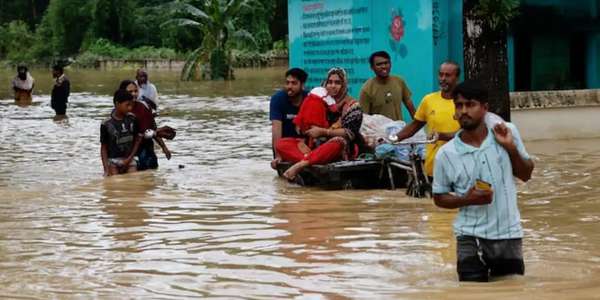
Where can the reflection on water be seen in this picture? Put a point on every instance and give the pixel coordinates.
(225, 226)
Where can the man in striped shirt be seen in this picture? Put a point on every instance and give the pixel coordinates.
(475, 172)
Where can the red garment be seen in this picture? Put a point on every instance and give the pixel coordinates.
(288, 149)
(313, 112)
(143, 116)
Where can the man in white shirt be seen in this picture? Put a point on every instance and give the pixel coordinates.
(147, 90)
(23, 84)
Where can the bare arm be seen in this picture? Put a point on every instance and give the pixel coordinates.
(410, 106)
(104, 157)
(276, 133)
(136, 146)
(350, 129)
(446, 136)
(473, 197)
(365, 102)
(163, 146)
(410, 129)
(522, 168)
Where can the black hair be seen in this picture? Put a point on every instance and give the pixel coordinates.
(472, 90)
(22, 67)
(121, 96)
(123, 85)
(58, 68)
(378, 54)
(297, 73)
(451, 62)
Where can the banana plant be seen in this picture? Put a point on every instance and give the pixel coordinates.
(216, 19)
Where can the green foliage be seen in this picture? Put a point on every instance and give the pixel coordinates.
(3, 41)
(256, 21)
(112, 19)
(280, 47)
(219, 65)
(16, 41)
(216, 19)
(250, 59)
(63, 28)
(103, 49)
(497, 13)
(52, 30)
(28, 11)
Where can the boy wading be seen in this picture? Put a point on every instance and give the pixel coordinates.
(119, 137)
(475, 172)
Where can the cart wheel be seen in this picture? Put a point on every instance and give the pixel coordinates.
(347, 185)
(299, 180)
(417, 185)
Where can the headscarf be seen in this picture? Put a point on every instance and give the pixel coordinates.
(342, 74)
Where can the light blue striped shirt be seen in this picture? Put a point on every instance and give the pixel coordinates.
(458, 165)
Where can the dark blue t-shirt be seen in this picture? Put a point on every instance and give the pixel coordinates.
(283, 110)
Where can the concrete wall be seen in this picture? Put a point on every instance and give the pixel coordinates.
(165, 64)
(558, 123)
(567, 98)
(556, 114)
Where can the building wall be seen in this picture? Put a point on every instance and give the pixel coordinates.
(558, 123)
(593, 61)
(546, 115)
(555, 45)
(328, 33)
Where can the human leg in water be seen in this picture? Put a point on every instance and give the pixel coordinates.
(324, 154)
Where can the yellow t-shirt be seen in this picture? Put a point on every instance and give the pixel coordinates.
(384, 98)
(438, 113)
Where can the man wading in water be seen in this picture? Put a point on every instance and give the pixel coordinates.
(60, 92)
(23, 85)
(474, 173)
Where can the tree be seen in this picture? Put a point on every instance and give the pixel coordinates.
(257, 22)
(112, 20)
(63, 28)
(485, 25)
(216, 19)
(15, 41)
(29, 11)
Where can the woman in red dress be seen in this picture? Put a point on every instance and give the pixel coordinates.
(337, 142)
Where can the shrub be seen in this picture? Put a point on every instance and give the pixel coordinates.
(104, 49)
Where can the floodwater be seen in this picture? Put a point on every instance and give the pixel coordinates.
(215, 221)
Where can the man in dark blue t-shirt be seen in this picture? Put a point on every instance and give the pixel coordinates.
(284, 107)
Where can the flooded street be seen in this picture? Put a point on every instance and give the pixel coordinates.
(216, 222)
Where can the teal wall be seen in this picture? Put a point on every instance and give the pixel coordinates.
(327, 33)
(510, 45)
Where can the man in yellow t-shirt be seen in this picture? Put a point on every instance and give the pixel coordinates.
(385, 93)
(437, 112)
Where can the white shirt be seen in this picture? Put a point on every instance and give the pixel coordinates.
(148, 90)
(26, 84)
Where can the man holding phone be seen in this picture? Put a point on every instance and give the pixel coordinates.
(474, 173)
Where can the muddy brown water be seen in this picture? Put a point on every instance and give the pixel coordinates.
(224, 226)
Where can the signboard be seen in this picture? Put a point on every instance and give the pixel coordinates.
(335, 33)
